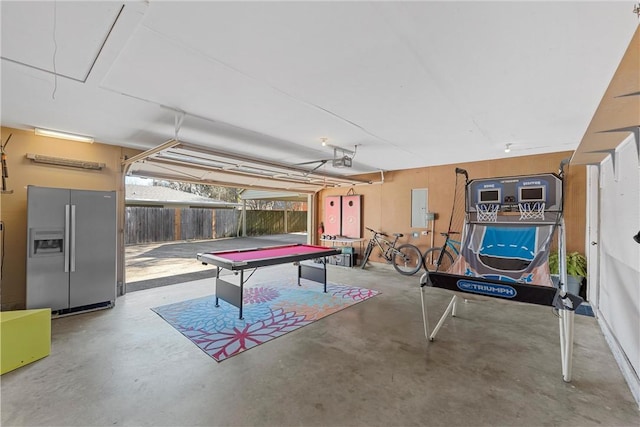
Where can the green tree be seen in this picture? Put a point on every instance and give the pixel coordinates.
(225, 194)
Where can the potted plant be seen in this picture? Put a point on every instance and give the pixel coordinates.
(576, 270)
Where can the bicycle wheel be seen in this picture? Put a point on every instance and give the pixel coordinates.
(407, 259)
(365, 257)
(437, 259)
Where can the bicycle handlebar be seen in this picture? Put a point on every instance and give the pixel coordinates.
(377, 232)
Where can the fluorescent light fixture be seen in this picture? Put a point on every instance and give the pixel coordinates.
(63, 135)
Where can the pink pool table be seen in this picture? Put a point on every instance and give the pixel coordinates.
(245, 259)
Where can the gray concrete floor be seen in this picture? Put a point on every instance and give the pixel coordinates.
(496, 363)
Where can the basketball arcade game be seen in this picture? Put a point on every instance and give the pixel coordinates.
(508, 230)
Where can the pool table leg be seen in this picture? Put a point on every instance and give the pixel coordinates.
(315, 273)
(217, 277)
(241, 292)
(324, 270)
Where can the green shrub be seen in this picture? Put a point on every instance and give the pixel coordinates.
(576, 264)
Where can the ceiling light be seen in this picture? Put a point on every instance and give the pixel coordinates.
(63, 135)
(507, 148)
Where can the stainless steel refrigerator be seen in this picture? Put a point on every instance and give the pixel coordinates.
(71, 249)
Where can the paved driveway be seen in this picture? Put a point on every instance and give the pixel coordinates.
(160, 264)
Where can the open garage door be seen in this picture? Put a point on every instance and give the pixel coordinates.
(180, 161)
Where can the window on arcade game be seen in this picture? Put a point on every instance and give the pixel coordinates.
(489, 196)
(531, 194)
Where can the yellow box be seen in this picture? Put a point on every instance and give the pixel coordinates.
(25, 336)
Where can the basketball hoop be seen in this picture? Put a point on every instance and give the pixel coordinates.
(531, 210)
(487, 212)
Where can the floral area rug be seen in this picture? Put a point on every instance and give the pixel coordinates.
(270, 310)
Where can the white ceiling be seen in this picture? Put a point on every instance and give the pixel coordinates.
(411, 84)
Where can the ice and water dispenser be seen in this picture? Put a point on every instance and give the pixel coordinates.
(46, 242)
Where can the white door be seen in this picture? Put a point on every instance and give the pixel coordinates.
(593, 230)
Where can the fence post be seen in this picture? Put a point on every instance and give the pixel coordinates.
(177, 229)
(286, 218)
(213, 224)
(244, 218)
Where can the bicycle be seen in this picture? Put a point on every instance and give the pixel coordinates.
(439, 258)
(406, 258)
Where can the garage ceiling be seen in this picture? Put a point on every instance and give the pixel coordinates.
(402, 84)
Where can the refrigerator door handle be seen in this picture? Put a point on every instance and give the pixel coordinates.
(66, 238)
(73, 238)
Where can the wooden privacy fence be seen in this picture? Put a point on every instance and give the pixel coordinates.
(196, 224)
(226, 224)
(149, 224)
(155, 224)
(260, 223)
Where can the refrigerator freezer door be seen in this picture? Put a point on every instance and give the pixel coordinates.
(47, 282)
(94, 241)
